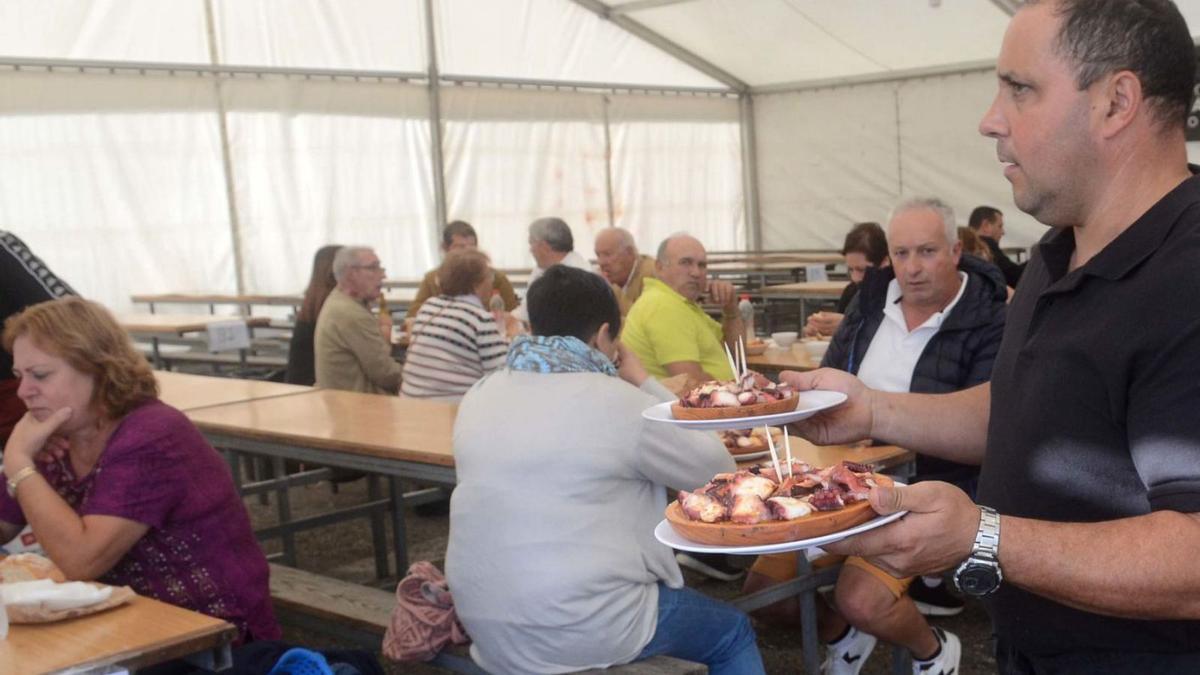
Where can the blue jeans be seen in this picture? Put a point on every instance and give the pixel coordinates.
(695, 627)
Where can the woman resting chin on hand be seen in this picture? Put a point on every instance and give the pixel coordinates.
(137, 497)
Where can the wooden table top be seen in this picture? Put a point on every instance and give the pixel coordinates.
(141, 633)
(180, 324)
(774, 358)
(807, 289)
(376, 425)
(188, 392)
(880, 456)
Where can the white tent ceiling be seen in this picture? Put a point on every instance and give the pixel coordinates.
(764, 45)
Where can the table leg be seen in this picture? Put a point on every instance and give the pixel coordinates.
(154, 350)
(378, 535)
(399, 538)
(284, 505)
(809, 642)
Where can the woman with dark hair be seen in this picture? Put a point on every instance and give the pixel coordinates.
(560, 485)
(140, 498)
(301, 368)
(865, 247)
(455, 339)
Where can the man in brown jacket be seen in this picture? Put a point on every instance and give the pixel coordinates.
(625, 270)
(351, 352)
(460, 236)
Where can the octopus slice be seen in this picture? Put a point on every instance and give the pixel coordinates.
(749, 509)
(826, 500)
(789, 508)
(747, 483)
(702, 507)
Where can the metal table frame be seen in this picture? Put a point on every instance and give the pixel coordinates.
(391, 469)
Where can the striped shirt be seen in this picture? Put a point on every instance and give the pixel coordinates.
(455, 342)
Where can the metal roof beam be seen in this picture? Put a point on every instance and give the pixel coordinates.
(876, 78)
(673, 48)
(639, 5)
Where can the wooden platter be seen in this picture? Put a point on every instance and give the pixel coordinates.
(816, 524)
(773, 407)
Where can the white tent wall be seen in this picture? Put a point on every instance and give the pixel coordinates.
(316, 162)
(676, 166)
(116, 182)
(514, 155)
(826, 158)
(834, 156)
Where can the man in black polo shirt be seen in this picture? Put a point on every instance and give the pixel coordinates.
(1087, 534)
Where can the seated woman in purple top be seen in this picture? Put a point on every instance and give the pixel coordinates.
(139, 497)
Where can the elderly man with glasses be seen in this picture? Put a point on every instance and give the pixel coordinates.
(351, 351)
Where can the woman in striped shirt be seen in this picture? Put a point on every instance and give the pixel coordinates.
(455, 339)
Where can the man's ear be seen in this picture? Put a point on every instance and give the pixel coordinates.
(1119, 97)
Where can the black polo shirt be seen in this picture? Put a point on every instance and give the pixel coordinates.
(1095, 410)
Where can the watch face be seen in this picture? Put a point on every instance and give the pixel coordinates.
(978, 579)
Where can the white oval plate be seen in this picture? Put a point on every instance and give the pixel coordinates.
(749, 456)
(667, 535)
(811, 402)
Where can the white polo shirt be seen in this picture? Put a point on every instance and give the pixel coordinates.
(894, 351)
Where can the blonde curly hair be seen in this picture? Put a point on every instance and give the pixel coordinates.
(87, 337)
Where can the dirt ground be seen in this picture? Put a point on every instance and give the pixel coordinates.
(344, 551)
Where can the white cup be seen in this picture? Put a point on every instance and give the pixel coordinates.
(785, 339)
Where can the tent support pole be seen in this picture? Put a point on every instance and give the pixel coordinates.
(235, 230)
(435, 126)
(754, 241)
(608, 183)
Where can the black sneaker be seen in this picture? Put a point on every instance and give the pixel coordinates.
(711, 565)
(936, 601)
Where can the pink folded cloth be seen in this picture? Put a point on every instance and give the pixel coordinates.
(423, 621)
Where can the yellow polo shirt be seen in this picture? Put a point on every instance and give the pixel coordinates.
(665, 327)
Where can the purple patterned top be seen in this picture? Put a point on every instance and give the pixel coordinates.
(200, 551)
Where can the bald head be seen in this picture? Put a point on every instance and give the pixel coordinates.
(617, 253)
(683, 265)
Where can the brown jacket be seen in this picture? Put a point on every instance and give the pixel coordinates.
(349, 352)
(429, 288)
(643, 268)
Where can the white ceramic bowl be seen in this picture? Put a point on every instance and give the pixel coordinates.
(816, 349)
(786, 339)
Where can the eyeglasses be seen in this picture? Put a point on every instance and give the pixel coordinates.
(376, 267)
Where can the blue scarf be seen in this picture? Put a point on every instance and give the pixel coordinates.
(556, 354)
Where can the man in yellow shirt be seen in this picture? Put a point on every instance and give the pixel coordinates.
(625, 270)
(668, 329)
(460, 236)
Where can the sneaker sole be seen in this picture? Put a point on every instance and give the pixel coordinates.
(697, 566)
(937, 610)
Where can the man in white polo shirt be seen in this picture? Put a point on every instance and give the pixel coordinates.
(930, 323)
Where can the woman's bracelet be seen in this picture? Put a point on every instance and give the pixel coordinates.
(16, 480)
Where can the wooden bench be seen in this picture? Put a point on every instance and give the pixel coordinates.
(361, 614)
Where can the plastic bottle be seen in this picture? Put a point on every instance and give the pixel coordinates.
(496, 304)
(746, 309)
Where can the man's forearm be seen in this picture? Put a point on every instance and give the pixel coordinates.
(732, 329)
(948, 426)
(1141, 568)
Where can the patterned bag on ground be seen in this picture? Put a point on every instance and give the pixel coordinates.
(423, 621)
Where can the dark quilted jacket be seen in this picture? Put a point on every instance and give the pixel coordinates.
(959, 356)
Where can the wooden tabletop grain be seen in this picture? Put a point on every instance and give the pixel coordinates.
(141, 633)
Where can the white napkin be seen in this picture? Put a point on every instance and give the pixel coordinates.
(54, 596)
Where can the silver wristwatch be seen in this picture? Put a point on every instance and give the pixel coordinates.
(980, 574)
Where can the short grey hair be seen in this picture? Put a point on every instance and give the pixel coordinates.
(662, 248)
(555, 232)
(949, 225)
(347, 257)
(624, 237)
